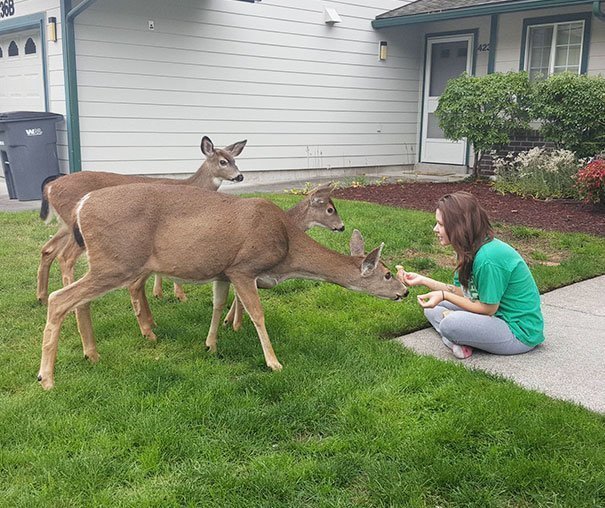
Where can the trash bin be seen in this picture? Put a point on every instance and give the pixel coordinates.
(28, 151)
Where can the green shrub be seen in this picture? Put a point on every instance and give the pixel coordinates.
(485, 110)
(538, 173)
(571, 109)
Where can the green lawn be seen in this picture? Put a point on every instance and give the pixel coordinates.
(353, 419)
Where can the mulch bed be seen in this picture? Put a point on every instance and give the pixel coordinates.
(557, 214)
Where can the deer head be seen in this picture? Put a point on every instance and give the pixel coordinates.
(222, 160)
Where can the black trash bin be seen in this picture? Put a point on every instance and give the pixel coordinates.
(28, 151)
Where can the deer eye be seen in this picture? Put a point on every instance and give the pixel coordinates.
(222, 162)
(388, 276)
(330, 210)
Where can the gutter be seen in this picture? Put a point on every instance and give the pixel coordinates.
(483, 10)
(68, 16)
(597, 11)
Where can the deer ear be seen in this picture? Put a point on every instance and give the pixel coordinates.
(207, 146)
(371, 261)
(236, 148)
(356, 243)
(322, 192)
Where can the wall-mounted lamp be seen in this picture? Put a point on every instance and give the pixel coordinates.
(382, 50)
(52, 29)
(331, 16)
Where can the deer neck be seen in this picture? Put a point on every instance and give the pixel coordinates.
(298, 215)
(307, 259)
(203, 179)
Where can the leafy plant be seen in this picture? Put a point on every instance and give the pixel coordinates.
(571, 109)
(591, 182)
(486, 110)
(539, 172)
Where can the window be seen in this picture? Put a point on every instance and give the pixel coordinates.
(1, 55)
(13, 49)
(553, 48)
(30, 47)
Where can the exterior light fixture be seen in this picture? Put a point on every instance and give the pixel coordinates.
(382, 50)
(52, 29)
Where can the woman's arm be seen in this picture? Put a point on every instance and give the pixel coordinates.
(430, 300)
(415, 279)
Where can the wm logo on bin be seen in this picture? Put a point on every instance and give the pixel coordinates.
(34, 132)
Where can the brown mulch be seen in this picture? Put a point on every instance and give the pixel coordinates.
(559, 214)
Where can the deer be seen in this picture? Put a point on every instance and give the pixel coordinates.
(195, 235)
(316, 209)
(62, 195)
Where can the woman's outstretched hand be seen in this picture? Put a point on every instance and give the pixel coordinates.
(409, 278)
(430, 300)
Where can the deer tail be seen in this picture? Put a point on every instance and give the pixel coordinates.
(45, 206)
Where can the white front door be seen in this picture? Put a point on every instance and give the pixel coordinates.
(21, 78)
(446, 58)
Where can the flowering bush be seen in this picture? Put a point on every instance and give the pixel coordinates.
(590, 182)
(539, 173)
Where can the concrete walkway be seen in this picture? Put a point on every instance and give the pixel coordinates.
(570, 365)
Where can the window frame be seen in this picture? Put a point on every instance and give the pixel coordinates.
(553, 21)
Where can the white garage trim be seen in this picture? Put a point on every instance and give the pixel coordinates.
(35, 22)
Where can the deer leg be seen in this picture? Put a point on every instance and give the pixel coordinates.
(67, 259)
(229, 317)
(49, 252)
(141, 309)
(238, 316)
(157, 287)
(60, 303)
(179, 293)
(220, 292)
(248, 294)
(84, 321)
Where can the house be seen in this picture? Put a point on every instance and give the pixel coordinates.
(319, 88)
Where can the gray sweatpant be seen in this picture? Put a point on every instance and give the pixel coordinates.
(488, 333)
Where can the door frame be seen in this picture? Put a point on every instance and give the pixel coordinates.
(474, 35)
(31, 22)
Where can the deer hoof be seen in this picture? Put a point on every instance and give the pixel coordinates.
(211, 349)
(275, 366)
(47, 382)
(43, 299)
(181, 297)
(93, 357)
(150, 336)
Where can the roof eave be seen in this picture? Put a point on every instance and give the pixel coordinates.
(469, 12)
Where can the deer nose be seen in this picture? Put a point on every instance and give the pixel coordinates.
(340, 229)
(238, 178)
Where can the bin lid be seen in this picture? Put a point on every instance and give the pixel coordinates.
(20, 116)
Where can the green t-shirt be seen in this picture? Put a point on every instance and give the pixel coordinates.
(500, 275)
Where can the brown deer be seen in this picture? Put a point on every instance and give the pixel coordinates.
(316, 209)
(194, 235)
(61, 197)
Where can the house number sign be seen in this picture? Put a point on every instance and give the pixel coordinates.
(483, 47)
(7, 8)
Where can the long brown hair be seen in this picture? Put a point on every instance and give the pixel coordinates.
(467, 226)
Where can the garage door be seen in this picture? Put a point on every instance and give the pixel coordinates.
(21, 72)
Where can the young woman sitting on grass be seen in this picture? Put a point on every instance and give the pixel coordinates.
(494, 303)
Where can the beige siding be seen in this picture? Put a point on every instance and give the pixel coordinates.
(306, 95)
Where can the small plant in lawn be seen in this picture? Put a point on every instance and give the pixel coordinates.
(539, 172)
(590, 182)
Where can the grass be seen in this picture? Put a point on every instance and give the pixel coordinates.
(352, 420)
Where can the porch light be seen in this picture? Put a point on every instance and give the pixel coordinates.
(382, 50)
(52, 29)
